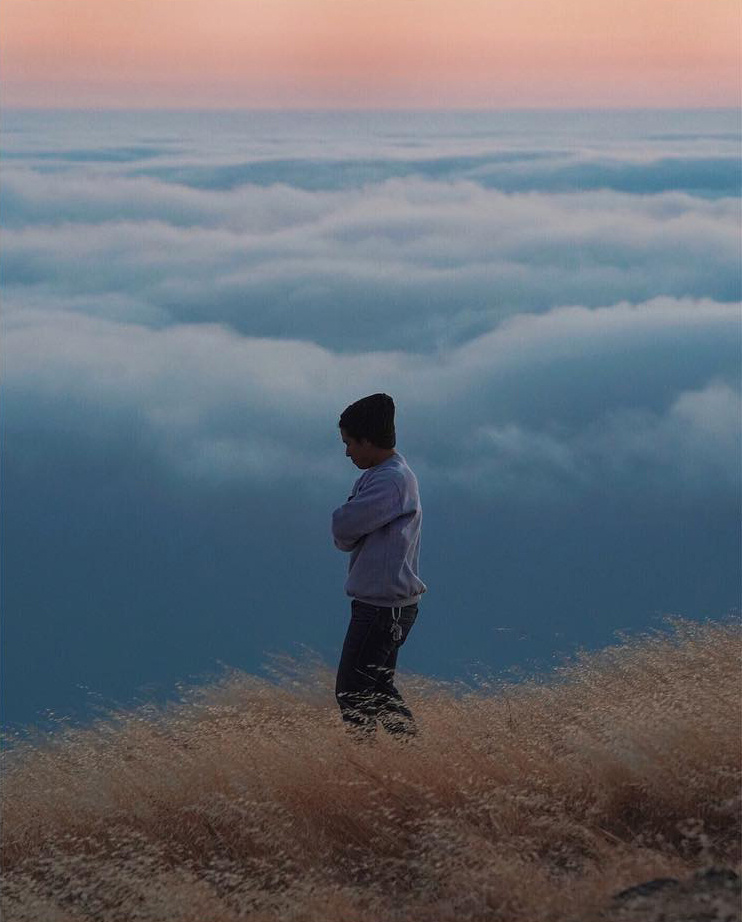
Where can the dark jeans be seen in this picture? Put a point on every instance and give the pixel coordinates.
(365, 687)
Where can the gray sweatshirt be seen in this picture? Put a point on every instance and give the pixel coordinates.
(380, 526)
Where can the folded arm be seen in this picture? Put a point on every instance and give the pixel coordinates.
(374, 506)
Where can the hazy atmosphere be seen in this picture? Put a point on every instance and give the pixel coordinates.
(190, 300)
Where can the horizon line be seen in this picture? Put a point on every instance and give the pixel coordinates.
(371, 109)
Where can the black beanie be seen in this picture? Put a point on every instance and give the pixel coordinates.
(371, 418)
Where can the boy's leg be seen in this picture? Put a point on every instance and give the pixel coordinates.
(365, 686)
(367, 645)
(395, 716)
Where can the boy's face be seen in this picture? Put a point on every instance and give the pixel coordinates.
(361, 452)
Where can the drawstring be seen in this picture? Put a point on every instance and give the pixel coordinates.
(396, 626)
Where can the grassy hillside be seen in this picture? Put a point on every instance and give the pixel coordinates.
(248, 800)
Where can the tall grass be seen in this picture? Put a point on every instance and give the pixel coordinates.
(247, 799)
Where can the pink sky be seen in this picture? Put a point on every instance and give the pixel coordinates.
(370, 53)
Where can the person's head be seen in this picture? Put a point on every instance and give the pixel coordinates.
(367, 430)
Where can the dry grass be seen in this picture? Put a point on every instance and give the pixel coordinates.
(248, 801)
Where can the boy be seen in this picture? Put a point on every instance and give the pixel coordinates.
(380, 526)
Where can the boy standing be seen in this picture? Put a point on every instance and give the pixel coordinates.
(380, 526)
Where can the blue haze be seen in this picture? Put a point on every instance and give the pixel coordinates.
(190, 300)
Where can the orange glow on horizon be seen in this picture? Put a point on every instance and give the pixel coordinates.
(367, 53)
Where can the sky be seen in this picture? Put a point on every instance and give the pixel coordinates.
(224, 221)
(191, 299)
(369, 53)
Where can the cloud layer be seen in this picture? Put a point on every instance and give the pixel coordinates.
(407, 264)
(554, 306)
(524, 400)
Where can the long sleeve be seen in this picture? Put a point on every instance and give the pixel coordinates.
(380, 526)
(377, 503)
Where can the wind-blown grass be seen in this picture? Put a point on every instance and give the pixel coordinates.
(247, 800)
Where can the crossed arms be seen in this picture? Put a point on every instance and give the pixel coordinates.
(376, 504)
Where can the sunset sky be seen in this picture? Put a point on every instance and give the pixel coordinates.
(370, 53)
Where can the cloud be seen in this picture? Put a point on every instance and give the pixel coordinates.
(54, 199)
(90, 155)
(287, 302)
(408, 264)
(332, 175)
(526, 171)
(690, 448)
(571, 396)
(710, 176)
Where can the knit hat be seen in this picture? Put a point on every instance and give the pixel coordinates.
(371, 418)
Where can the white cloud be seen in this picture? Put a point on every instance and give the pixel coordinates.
(407, 264)
(546, 335)
(217, 404)
(693, 446)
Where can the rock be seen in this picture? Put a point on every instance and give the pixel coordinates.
(647, 889)
(712, 895)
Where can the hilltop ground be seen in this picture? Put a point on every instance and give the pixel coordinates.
(523, 803)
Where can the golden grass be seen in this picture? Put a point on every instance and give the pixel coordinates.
(247, 800)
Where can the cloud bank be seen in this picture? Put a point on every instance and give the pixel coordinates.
(406, 264)
(220, 404)
(553, 304)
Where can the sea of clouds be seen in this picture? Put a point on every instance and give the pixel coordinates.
(190, 299)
